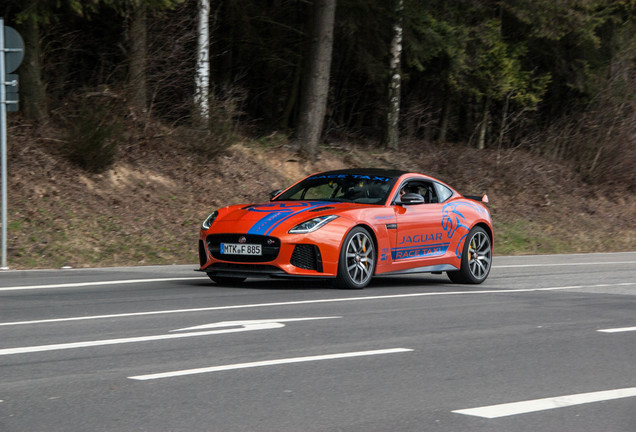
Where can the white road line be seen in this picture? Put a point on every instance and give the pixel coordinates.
(267, 363)
(587, 254)
(562, 264)
(250, 323)
(508, 409)
(303, 302)
(99, 283)
(104, 342)
(618, 330)
(238, 326)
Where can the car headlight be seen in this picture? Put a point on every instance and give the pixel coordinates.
(207, 223)
(312, 224)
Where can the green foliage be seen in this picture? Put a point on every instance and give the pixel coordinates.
(90, 8)
(496, 70)
(92, 139)
(567, 40)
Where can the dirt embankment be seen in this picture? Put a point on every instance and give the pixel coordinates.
(148, 207)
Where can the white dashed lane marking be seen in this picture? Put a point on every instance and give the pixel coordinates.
(618, 330)
(515, 408)
(268, 363)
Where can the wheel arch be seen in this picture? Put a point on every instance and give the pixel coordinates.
(372, 232)
(489, 231)
(357, 275)
(373, 235)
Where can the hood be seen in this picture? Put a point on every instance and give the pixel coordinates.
(262, 219)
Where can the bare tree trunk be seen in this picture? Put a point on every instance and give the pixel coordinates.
(202, 80)
(291, 99)
(443, 127)
(313, 103)
(138, 54)
(483, 125)
(504, 120)
(393, 115)
(32, 89)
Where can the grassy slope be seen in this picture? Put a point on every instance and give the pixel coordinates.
(147, 208)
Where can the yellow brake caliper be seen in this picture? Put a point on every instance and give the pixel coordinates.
(364, 249)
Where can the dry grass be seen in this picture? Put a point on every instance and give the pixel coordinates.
(147, 208)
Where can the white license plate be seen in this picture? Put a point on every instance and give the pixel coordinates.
(241, 249)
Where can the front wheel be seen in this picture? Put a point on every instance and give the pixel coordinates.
(476, 258)
(357, 260)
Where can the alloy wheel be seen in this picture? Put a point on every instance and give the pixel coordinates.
(360, 256)
(479, 255)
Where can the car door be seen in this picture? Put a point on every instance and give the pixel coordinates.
(420, 240)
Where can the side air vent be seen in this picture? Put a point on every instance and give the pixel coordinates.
(307, 257)
(203, 258)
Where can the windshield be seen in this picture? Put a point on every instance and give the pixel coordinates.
(341, 187)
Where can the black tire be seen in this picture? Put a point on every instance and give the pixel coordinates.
(476, 258)
(226, 281)
(357, 260)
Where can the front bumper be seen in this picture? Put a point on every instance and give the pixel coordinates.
(280, 257)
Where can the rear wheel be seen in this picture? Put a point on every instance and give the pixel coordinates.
(226, 281)
(357, 260)
(476, 258)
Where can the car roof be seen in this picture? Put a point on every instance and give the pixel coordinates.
(366, 171)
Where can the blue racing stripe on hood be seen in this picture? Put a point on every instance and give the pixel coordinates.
(279, 212)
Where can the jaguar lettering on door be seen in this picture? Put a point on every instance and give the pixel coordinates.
(419, 245)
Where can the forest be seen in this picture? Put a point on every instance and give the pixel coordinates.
(553, 77)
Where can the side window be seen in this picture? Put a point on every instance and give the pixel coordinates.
(428, 192)
(443, 192)
(426, 189)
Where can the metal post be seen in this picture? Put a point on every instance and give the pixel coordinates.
(3, 145)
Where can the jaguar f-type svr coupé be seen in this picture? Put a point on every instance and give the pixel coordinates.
(350, 225)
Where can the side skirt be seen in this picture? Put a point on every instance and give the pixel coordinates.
(428, 269)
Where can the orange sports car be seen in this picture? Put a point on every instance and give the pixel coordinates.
(350, 225)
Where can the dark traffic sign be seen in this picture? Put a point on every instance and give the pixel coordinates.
(13, 49)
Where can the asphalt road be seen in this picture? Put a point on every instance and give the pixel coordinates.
(548, 343)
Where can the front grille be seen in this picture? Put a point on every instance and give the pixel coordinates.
(307, 257)
(270, 247)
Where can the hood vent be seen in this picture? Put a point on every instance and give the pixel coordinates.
(321, 209)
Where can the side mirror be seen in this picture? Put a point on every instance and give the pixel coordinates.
(273, 194)
(411, 198)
